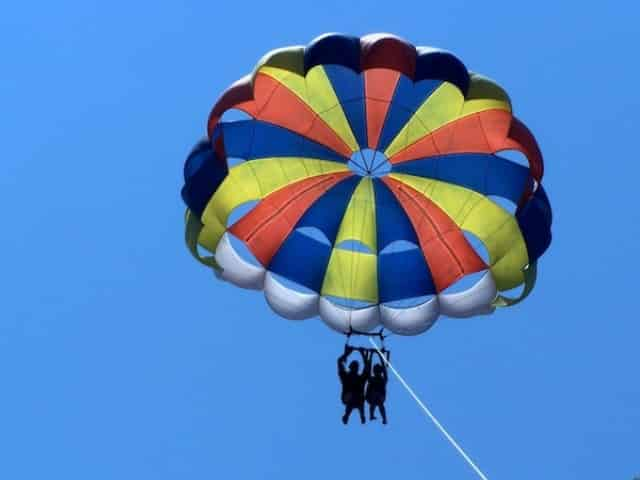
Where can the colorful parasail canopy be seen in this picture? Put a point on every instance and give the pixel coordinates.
(377, 186)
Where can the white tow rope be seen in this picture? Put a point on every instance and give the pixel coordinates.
(429, 414)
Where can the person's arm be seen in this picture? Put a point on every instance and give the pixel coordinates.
(343, 358)
(370, 360)
(366, 359)
(383, 364)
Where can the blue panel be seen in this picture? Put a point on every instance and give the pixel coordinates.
(303, 260)
(441, 65)
(349, 87)
(327, 212)
(204, 173)
(411, 95)
(392, 222)
(347, 84)
(333, 49)
(542, 202)
(407, 98)
(355, 113)
(198, 155)
(507, 179)
(484, 173)
(468, 171)
(534, 219)
(403, 275)
(250, 139)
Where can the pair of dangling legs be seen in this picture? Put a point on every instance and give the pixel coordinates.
(383, 412)
(349, 408)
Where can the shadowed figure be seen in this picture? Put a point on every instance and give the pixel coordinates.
(377, 389)
(353, 383)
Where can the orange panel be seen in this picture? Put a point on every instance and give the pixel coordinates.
(379, 86)
(275, 103)
(267, 226)
(489, 131)
(446, 250)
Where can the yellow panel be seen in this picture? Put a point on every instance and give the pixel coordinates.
(317, 92)
(320, 94)
(288, 58)
(336, 119)
(293, 81)
(410, 133)
(359, 221)
(442, 106)
(254, 180)
(446, 105)
(352, 275)
(493, 225)
(210, 236)
(509, 267)
(193, 228)
(474, 106)
(485, 94)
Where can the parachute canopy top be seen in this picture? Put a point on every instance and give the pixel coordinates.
(374, 164)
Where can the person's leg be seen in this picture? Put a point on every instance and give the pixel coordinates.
(361, 410)
(372, 411)
(347, 412)
(383, 412)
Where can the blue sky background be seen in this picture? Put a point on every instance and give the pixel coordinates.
(122, 358)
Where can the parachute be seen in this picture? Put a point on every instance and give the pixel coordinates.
(375, 172)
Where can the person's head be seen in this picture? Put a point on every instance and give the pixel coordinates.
(353, 366)
(377, 369)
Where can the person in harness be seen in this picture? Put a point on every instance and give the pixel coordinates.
(377, 387)
(353, 382)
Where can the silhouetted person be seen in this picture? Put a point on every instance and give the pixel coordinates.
(353, 383)
(377, 390)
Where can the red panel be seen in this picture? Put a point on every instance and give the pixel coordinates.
(483, 132)
(446, 250)
(237, 93)
(495, 124)
(425, 147)
(526, 143)
(464, 135)
(275, 103)
(379, 86)
(376, 114)
(385, 51)
(218, 147)
(267, 226)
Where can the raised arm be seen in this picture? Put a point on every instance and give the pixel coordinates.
(383, 364)
(366, 358)
(343, 358)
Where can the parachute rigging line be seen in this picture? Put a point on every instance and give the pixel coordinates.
(429, 414)
(381, 334)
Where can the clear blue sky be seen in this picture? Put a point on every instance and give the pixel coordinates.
(121, 358)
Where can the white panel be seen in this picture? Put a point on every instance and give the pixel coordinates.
(235, 269)
(288, 303)
(473, 301)
(339, 318)
(412, 320)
